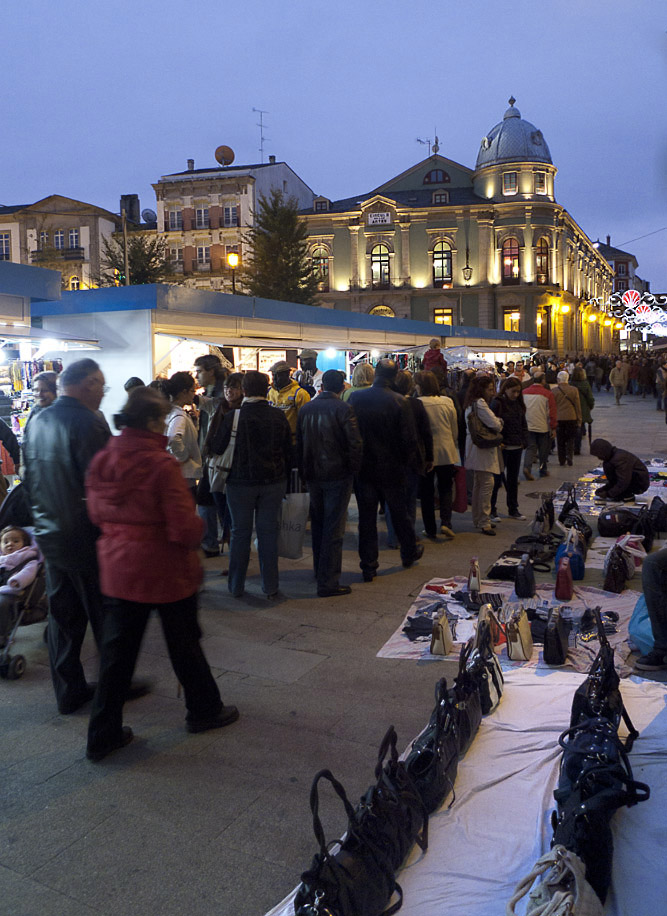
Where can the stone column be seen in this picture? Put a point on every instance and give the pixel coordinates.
(354, 255)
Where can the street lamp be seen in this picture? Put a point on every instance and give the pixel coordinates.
(233, 261)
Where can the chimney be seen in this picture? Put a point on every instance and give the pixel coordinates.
(272, 160)
(191, 165)
(609, 240)
(130, 203)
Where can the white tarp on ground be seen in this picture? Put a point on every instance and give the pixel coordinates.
(499, 826)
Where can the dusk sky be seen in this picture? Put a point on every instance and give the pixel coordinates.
(102, 98)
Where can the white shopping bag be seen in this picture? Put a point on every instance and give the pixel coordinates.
(292, 525)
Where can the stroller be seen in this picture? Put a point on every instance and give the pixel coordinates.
(29, 606)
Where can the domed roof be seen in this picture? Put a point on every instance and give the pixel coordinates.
(513, 140)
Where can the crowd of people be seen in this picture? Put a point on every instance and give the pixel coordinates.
(114, 516)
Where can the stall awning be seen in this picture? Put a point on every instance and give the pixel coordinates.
(40, 337)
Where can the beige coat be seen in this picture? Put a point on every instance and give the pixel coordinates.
(484, 459)
(568, 404)
(444, 423)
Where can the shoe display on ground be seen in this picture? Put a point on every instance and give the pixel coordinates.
(97, 754)
(447, 531)
(334, 592)
(655, 660)
(419, 553)
(226, 716)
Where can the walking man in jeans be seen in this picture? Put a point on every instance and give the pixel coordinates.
(329, 449)
(541, 418)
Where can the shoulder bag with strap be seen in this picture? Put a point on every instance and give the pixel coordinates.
(219, 466)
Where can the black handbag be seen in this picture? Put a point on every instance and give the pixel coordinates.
(548, 507)
(570, 503)
(466, 701)
(394, 782)
(482, 435)
(595, 780)
(612, 523)
(524, 584)
(616, 573)
(555, 638)
(600, 694)
(485, 669)
(434, 756)
(358, 878)
(658, 515)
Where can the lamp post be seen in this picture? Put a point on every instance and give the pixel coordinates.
(233, 261)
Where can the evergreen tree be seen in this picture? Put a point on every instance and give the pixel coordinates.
(147, 259)
(278, 265)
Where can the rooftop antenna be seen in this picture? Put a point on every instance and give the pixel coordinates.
(426, 142)
(262, 138)
(436, 142)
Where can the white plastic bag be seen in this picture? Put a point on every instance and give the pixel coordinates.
(292, 525)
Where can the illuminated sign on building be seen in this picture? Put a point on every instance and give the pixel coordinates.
(643, 312)
(379, 219)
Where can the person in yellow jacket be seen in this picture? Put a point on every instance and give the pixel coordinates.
(287, 395)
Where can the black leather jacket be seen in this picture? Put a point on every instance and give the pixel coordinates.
(387, 427)
(328, 442)
(263, 452)
(59, 445)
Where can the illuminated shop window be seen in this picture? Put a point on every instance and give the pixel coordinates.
(510, 258)
(511, 319)
(442, 265)
(510, 183)
(443, 316)
(380, 275)
(74, 283)
(542, 261)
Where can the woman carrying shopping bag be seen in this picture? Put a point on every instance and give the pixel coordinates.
(483, 451)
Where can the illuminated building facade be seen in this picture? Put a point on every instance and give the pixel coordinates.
(487, 247)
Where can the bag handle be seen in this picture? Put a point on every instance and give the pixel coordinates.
(315, 804)
(389, 743)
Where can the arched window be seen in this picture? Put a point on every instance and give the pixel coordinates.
(320, 264)
(380, 267)
(74, 283)
(511, 267)
(442, 265)
(436, 176)
(542, 261)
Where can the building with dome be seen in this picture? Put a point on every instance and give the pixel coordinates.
(487, 247)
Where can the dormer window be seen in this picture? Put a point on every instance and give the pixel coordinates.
(441, 197)
(321, 205)
(540, 182)
(510, 183)
(436, 176)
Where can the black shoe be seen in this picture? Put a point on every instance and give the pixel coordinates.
(100, 753)
(369, 576)
(334, 592)
(655, 660)
(569, 462)
(490, 531)
(226, 716)
(209, 554)
(137, 689)
(418, 554)
(544, 472)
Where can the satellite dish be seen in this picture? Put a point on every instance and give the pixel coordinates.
(149, 216)
(224, 155)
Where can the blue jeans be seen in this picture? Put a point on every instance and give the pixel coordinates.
(328, 514)
(654, 580)
(210, 516)
(258, 503)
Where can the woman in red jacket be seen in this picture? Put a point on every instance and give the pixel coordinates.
(148, 559)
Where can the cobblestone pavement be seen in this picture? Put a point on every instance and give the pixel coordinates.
(219, 823)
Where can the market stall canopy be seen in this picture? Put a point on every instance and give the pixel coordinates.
(41, 338)
(224, 320)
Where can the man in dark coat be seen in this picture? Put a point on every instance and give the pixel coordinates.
(329, 452)
(388, 432)
(626, 474)
(59, 445)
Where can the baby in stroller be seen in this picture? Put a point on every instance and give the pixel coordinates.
(22, 590)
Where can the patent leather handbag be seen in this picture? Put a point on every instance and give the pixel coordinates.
(555, 638)
(466, 701)
(434, 756)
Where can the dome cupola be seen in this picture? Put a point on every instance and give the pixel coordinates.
(513, 140)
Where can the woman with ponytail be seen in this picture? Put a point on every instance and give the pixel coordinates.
(180, 428)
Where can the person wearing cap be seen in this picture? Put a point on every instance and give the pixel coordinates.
(309, 377)
(626, 474)
(569, 416)
(287, 395)
(329, 449)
